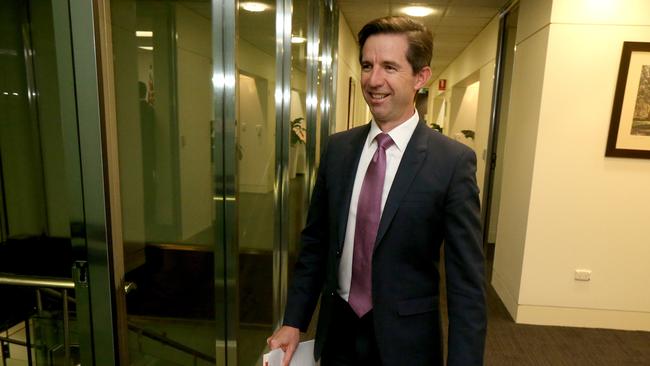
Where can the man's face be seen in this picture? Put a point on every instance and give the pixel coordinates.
(387, 78)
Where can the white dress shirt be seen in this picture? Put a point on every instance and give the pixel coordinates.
(401, 135)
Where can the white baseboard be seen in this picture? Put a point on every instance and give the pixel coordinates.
(569, 317)
(583, 318)
(506, 296)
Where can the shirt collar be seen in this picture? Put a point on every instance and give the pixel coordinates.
(400, 134)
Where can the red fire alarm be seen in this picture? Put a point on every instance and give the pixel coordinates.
(442, 84)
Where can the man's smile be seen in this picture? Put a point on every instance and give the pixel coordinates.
(378, 95)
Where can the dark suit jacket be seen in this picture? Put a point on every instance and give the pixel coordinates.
(434, 198)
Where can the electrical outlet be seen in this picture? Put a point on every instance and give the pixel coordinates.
(583, 275)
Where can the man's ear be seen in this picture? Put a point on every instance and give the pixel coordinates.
(422, 76)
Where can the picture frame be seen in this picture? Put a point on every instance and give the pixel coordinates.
(629, 129)
(351, 102)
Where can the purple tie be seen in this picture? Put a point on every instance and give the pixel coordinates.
(365, 232)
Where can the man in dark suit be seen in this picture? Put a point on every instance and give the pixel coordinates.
(387, 195)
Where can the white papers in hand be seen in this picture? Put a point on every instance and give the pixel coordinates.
(304, 356)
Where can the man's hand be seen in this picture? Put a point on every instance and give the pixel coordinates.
(287, 339)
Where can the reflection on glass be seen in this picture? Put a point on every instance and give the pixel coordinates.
(256, 139)
(322, 34)
(39, 181)
(163, 67)
(298, 142)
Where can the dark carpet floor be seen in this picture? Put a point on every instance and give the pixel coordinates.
(509, 343)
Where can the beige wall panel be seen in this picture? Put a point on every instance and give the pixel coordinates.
(257, 87)
(586, 210)
(194, 32)
(519, 160)
(348, 67)
(483, 116)
(194, 68)
(613, 12)
(466, 102)
(194, 116)
(534, 15)
(256, 162)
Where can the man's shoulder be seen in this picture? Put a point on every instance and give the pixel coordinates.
(354, 131)
(349, 135)
(439, 140)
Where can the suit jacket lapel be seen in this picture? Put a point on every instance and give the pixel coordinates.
(351, 155)
(412, 160)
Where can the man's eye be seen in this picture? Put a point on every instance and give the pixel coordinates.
(366, 67)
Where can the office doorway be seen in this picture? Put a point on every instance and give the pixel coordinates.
(497, 137)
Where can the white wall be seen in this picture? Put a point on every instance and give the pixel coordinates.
(518, 160)
(565, 205)
(348, 67)
(483, 115)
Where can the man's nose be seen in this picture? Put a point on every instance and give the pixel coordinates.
(375, 78)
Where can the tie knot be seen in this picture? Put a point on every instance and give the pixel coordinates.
(384, 141)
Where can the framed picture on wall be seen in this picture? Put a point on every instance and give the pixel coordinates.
(629, 129)
(351, 101)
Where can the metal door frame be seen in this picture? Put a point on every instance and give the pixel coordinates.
(92, 129)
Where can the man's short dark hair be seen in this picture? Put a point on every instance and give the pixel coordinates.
(419, 37)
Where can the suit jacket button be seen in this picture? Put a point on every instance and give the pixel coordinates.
(332, 293)
(338, 253)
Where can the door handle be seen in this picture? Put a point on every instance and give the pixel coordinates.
(130, 286)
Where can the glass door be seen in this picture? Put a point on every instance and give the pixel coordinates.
(51, 210)
(162, 62)
(218, 116)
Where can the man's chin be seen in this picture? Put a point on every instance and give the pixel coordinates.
(378, 110)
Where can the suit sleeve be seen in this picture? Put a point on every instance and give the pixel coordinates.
(464, 266)
(309, 270)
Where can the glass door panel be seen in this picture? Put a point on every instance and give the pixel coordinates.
(41, 205)
(298, 169)
(164, 102)
(256, 178)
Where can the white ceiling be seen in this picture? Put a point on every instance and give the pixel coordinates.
(454, 24)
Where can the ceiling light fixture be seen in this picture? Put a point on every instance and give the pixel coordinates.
(254, 7)
(146, 48)
(298, 39)
(145, 34)
(417, 11)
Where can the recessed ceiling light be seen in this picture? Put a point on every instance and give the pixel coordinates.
(418, 11)
(254, 7)
(147, 34)
(146, 48)
(298, 39)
